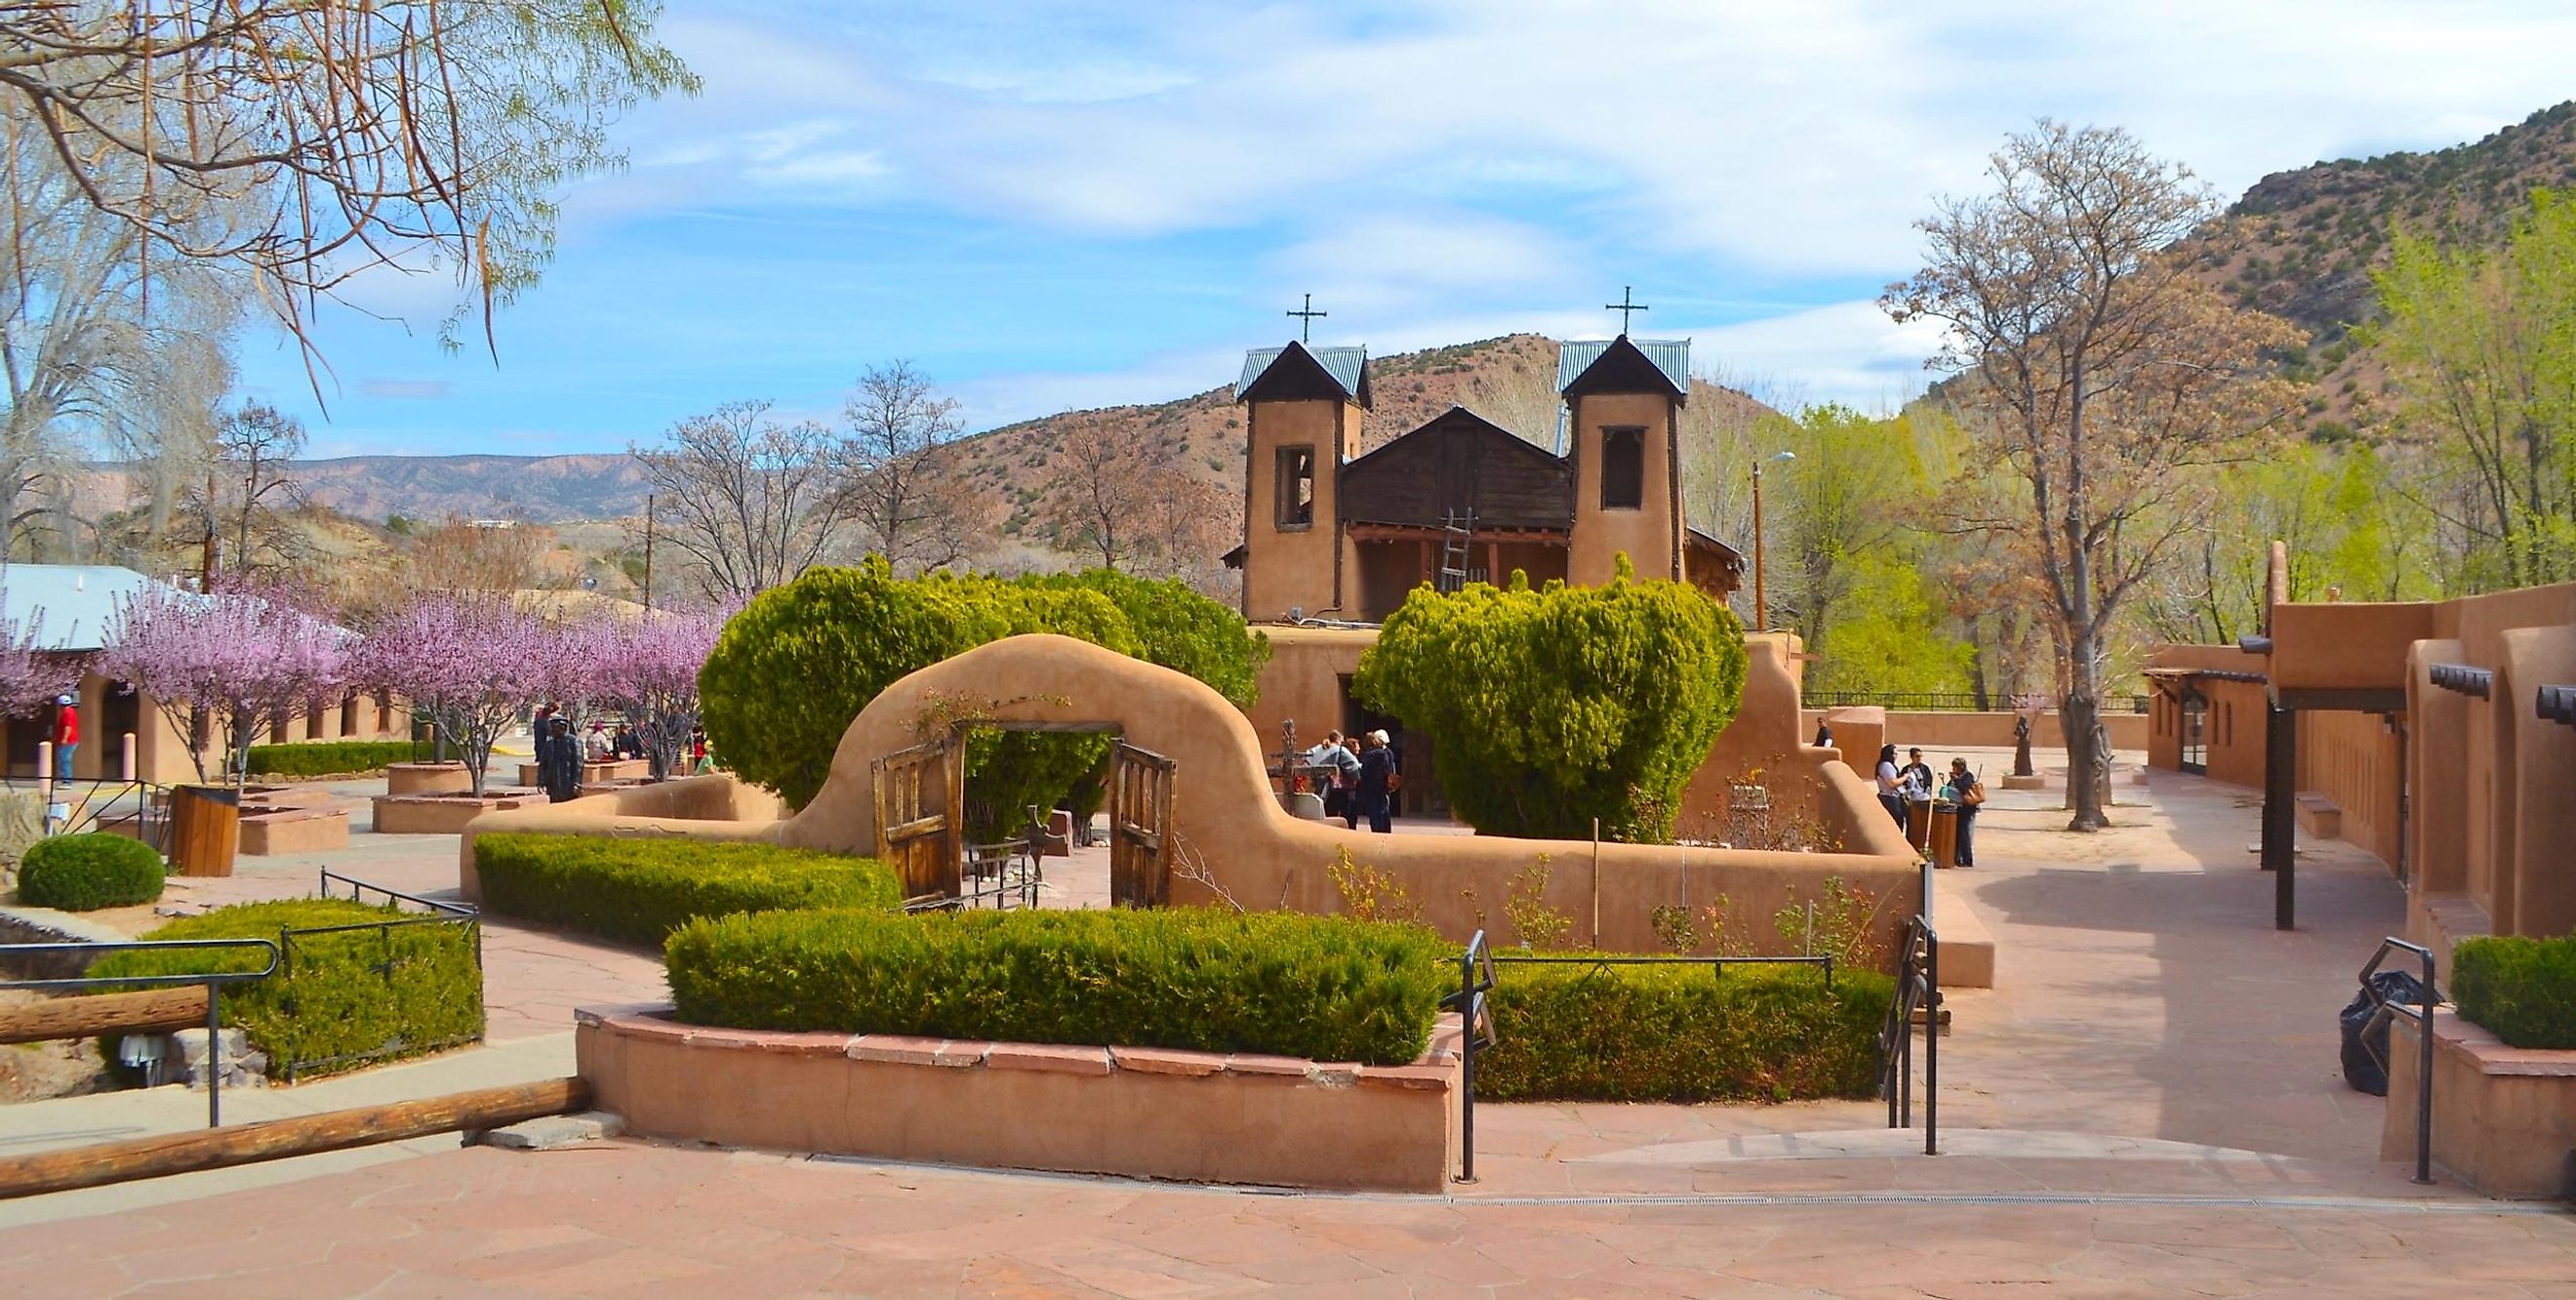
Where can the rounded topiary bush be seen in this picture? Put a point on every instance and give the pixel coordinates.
(81, 873)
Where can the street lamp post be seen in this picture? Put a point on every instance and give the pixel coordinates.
(1761, 611)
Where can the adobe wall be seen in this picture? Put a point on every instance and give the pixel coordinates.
(1646, 534)
(1225, 815)
(1135, 1112)
(1943, 729)
(1303, 681)
(714, 807)
(1296, 567)
(2352, 759)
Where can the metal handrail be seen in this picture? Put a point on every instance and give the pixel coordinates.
(213, 980)
(1918, 987)
(1476, 1021)
(2422, 1013)
(1717, 965)
(359, 887)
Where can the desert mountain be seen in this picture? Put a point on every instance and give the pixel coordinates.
(2303, 244)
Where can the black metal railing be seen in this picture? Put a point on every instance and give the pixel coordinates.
(11, 954)
(2383, 1008)
(467, 919)
(1947, 701)
(142, 808)
(1476, 1022)
(1918, 991)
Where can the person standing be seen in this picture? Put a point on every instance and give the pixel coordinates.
(1891, 787)
(1916, 777)
(67, 737)
(1345, 769)
(541, 734)
(1374, 795)
(560, 770)
(1969, 793)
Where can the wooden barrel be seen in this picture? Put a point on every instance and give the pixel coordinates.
(1945, 835)
(1918, 823)
(205, 829)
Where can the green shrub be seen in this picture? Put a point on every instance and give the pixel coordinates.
(1325, 987)
(2522, 989)
(339, 1000)
(637, 891)
(1555, 707)
(82, 873)
(796, 666)
(328, 757)
(1680, 1032)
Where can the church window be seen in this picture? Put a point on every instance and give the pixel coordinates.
(1296, 487)
(1623, 469)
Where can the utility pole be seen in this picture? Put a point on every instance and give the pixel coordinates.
(648, 552)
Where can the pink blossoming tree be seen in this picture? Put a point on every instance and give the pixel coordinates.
(237, 660)
(648, 669)
(470, 660)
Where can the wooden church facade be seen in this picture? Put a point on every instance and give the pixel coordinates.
(1460, 499)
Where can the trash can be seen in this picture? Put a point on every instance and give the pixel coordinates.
(1918, 824)
(1945, 834)
(205, 829)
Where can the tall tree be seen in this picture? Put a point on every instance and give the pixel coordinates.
(1114, 499)
(2108, 375)
(472, 661)
(238, 659)
(250, 482)
(2483, 354)
(751, 501)
(351, 133)
(898, 425)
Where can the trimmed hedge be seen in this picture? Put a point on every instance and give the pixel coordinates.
(82, 873)
(1327, 988)
(1682, 1033)
(2522, 989)
(364, 995)
(328, 757)
(637, 891)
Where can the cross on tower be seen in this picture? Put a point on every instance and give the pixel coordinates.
(1626, 305)
(1306, 327)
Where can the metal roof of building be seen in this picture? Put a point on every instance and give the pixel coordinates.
(1347, 366)
(1671, 356)
(75, 601)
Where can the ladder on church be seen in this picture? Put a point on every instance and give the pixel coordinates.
(1457, 538)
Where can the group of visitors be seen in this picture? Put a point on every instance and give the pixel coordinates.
(562, 754)
(1901, 787)
(1361, 784)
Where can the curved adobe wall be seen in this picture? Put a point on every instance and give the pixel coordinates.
(1226, 814)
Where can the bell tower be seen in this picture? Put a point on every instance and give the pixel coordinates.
(1624, 401)
(1302, 409)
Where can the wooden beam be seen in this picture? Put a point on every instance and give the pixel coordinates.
(104, 1013)
(304, 1135)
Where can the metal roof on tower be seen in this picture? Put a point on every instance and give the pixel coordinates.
(1670, 357)
(1348, 367)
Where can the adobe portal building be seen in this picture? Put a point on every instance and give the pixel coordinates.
(1332, 545)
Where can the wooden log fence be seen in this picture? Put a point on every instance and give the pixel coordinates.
(180, 1153)
(104, 1013)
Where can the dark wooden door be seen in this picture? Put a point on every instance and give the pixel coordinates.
(918, 794)
(1140, 827)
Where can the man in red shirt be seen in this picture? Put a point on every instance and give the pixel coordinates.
(66, 736)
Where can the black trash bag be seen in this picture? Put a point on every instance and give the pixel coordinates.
(2365, 1059)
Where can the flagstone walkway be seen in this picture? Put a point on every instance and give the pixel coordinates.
(2147, 1103)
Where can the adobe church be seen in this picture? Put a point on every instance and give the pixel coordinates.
(1460, 499)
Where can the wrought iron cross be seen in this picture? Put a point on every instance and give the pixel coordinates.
(1627, 304)
(1306, 327)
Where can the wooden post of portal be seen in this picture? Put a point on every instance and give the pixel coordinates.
(2281, 810)
(125, 761)
(45, 772)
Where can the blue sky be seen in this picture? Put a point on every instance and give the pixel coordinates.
(1055, 205)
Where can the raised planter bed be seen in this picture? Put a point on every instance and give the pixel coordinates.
(444, 814)
(427, 778)
(269, 831)
(1140, 1112)
(2504, 1118)
(623, 769)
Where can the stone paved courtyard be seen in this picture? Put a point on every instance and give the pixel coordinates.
(2146, 1104)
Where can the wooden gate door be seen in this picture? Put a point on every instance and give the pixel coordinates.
(918, 793)
(1140, 827)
